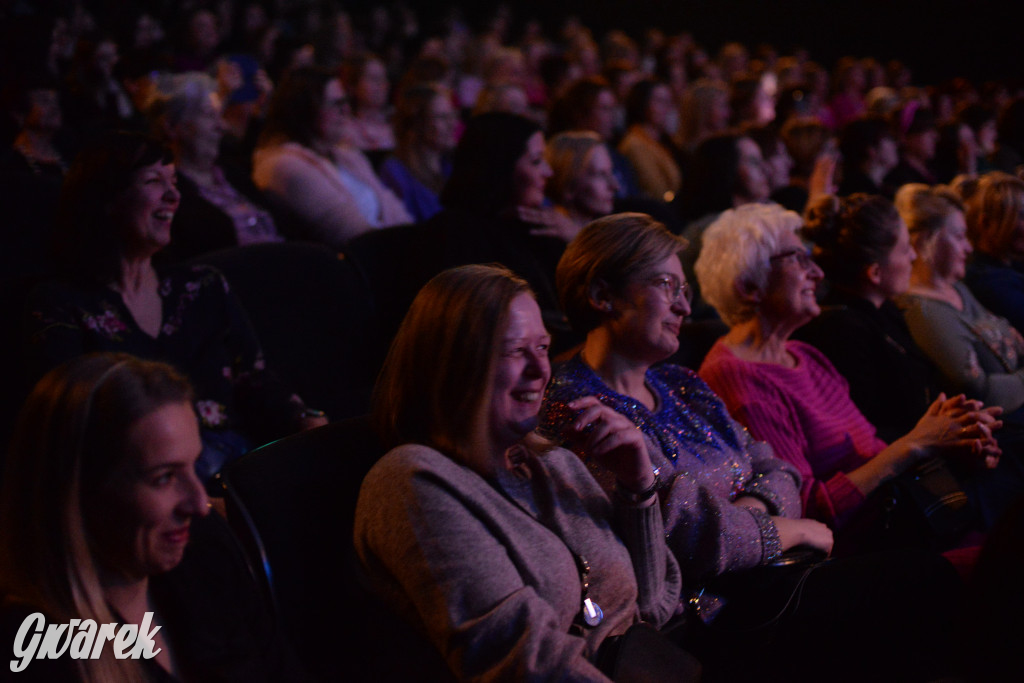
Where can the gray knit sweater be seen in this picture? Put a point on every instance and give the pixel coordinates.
(481, 568)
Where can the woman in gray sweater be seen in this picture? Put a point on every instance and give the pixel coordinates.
(511, 559)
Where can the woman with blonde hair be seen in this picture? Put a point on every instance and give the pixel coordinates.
(978, 352)
(582, 183)
(109, 539)
(503, 554)
(995, 226)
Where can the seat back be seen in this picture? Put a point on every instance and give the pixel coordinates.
(314, 316)
(293, 504)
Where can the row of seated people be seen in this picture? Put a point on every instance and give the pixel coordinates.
(315, 182)
(396, 262)
(510, 555)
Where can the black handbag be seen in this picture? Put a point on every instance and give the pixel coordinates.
(926, 505)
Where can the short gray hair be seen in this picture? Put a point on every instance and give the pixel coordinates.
(178, 98)
(736, 253)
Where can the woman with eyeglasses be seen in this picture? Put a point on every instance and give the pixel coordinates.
(304, 166)
(760, 277)
(620, 282)
(730, 507)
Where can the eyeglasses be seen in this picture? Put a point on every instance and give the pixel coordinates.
(673, 288)
(801, 256)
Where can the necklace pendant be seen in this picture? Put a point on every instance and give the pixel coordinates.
(592, 614)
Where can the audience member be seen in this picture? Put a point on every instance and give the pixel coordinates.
(305, 167)
(115, 215)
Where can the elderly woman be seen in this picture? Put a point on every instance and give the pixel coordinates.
(121, 535)
(995, 216)
(760, 277)
(425, 125)
(304, 166)
(978, 352)
(499, 553)
(213, 213)
(582, 183)
(730, 507)
(114, 216)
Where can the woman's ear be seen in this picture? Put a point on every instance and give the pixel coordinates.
(748, 291)
(600, 295)
(873, 273)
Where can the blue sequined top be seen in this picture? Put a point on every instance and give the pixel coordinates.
(706, 461)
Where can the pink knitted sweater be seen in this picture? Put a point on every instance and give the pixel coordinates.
(806, 414)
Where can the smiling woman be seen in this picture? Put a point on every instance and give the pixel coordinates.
(756, 272)
(123, 537)
(502, 552)
(115, 215)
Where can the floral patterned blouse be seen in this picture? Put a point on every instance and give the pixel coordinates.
(205, 334)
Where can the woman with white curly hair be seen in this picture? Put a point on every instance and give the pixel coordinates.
(760, 277)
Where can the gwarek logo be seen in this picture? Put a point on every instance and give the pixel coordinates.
(129, 641)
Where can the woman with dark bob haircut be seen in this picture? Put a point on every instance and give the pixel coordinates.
(103, 518)
(114, 217)
(508, 556)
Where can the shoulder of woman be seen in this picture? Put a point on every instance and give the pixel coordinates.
(402, 463)
(812, 355)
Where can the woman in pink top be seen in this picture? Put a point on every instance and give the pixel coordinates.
(759, 276)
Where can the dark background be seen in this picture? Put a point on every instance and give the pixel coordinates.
(938, 39)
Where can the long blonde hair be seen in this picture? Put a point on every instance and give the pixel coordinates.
(70, 435)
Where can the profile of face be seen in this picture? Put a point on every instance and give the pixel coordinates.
(601, 118)
(146, 506)
(987, 136)
(146, 209)
(922, 145)
(894, 273)
(105, 58)
(333, 114)
(887, 153)
(792, 283)
(646, 315)
(372, 89)
(520, 375)
(202, 31)
(438, 128)
(660, 107)
(763, 106)
(202, 132)
(947, 250)
(751, 174)
(779, 165)
(531, 173)
(148, 31)
(593, 194)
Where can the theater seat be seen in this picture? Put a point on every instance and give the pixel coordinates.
(292, 503)
(315, 318)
